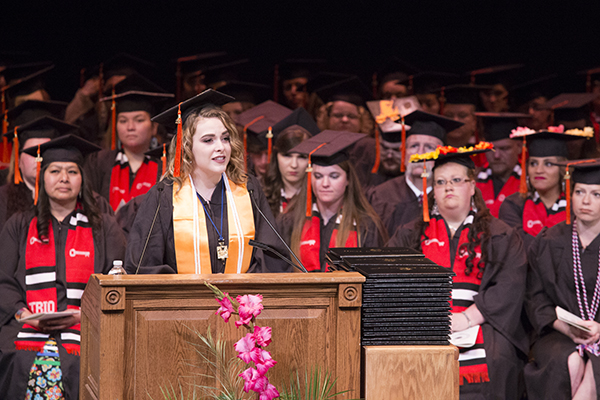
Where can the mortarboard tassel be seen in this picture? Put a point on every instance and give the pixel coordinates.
(113, 114)
(100, 81)
(270, 144)
(424, 175)
(309, 182)
(567, 179)
(377, 151)
(164, 159)
(17, 173)
(374, 85)
(403, 147)
(177, 161)
(38, 167)
(276, 84)
(523, 183)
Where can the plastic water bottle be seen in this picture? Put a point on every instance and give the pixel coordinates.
(117, 268)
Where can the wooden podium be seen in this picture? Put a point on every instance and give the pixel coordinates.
(136, 329)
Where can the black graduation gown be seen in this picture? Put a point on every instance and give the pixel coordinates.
(369, 235)
(362, 156)
(99, 167)
(159, 257)
(109, 245)
(10, 189)
(500, 301)
(127, 213)
(550, 283)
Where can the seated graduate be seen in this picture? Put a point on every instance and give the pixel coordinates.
(489, 261)
(200, 217)
(564, 272)
(285, 176)
(541, 200)
(48, 255)
(340, 215)
(120, 174)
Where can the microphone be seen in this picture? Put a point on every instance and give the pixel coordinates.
(251, 191)
(160, 188)
(266, 247)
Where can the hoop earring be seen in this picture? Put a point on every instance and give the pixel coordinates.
(435, 210)
(473, 206)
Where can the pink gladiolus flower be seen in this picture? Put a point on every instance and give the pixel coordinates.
(250, 306)
(244, 346)
(249, 376)
(269, 393)
(263, 360)
(262, 335)
(226, 308)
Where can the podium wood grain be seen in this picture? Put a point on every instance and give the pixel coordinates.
(137, 330)
(411, 373)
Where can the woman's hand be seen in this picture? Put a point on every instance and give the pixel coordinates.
(466, 319)
(53, 325)
(577, 335)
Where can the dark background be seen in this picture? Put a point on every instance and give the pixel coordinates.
(359, 35)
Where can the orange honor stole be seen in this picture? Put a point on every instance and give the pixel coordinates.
(190, 230)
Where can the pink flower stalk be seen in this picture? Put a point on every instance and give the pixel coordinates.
(269, 393)
(249, 376)
(226, 308)
(263, 360)
(250, 306)
(262, 335)
(245, 347)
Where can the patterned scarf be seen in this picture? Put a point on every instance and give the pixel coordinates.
(436, 246)
(310, 243)
(536, 216)
(486, 185)
(120, 189)
(40, 280)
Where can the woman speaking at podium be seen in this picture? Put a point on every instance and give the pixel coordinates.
(200, 217)
(457, 231)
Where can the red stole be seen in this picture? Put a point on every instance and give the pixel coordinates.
(310, 242)
(536, 216)
(40, 265)
(436, 246)
(485, 184)
(120, 189)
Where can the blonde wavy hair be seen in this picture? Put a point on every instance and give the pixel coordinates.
(235, 168)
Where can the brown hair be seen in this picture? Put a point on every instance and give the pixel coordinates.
(356, 209)
(531, 190)
(235, 168)
(273, 182)
(366, 124)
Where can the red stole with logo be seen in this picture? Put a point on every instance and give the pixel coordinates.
(436, 246)
(40, 281)
(536, 216)
(486, 185)
(310, 242)
(120, 189)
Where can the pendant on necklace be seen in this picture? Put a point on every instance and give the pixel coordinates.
(222, 252)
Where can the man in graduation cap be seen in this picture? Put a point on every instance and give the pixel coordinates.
(461, 102)
(294, 75)
(399, 200)
(502, 176)
(257, 127)
(501, 78)
(246, 94)
(26, 82)
(123, 172)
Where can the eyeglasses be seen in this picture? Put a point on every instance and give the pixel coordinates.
(453, 182)
(342, 115)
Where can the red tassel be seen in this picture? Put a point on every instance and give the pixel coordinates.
(403, 147)
(164, 159)
(309, 182)
(177, 162)
(38, 167)
(276, 84)
(425, 199)
(377, 151)
(523, 183)
(113, 113)
(270, 144)
(17, 177)
(596, 128)
(567, 179)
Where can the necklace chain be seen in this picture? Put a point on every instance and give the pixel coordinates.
(589, 313)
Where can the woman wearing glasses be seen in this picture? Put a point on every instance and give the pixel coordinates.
(457, 231)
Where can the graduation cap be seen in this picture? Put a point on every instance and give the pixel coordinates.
(41, 128)
(299, 117)
(23, 81)
(544, 86)
(499, 74)
(67, 148)
(350, 90)
(300, 68)
(177, 115)
(160, 153)
(424, 123)
(194, 65)
(592, 78)
(259, 121)
(429, 81)
(249, 92)
(327, 148)
(396, 70)
(216, 76)
(446, 154)
(33, 109)
(120, 64)
(462, 94)
(570, 107)
(134, 93)
(499, 125)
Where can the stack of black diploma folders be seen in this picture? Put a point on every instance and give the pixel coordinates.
(405, 298)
